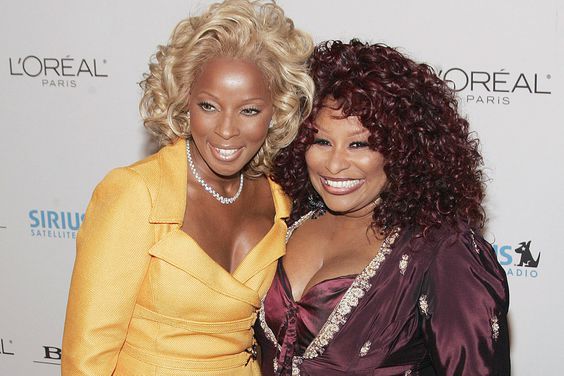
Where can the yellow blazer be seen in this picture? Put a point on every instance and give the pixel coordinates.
(145, 299)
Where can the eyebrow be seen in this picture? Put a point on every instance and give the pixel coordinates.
(357, 132)
(254, 99)
(208, 93)
(360, 131)
(242, 100)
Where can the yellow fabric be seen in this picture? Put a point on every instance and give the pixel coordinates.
(145, 299)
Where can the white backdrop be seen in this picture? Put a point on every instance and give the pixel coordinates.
(68, 113)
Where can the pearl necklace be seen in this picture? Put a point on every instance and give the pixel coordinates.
(206, 186)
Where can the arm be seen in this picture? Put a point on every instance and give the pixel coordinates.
(465, 323)
(111, 262)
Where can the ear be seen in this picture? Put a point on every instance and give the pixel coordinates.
(528, 243)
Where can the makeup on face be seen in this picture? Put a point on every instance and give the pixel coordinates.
(342, 168)
(230, 109)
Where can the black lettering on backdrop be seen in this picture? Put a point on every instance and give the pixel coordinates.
(52, 352)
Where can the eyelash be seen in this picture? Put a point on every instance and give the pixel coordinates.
(320, 141)
(360, 144)
(206, 106)
(249, 111)
(354, 145)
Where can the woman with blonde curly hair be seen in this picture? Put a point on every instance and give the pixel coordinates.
(176, 251)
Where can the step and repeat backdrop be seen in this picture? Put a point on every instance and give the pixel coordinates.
(69, 73)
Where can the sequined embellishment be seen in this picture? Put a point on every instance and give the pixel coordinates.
(296, 362)
(474, 241)
(423, 305)
(267, 331)
(495, 327)
(365, 348)
(350, 299)
(403, 263)
(338, 317)
(298, 223)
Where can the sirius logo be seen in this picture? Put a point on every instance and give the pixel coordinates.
(54, 224)
(57, 71)
(494, 87)
(518, 261)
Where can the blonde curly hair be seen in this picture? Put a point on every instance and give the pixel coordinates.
(242, 29)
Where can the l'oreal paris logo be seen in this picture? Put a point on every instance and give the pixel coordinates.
(5, 348)
(494, 87)
(57, 71)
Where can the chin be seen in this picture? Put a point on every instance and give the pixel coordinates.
(339, 208)
(228, 172)
(227, 169)
(345, 207)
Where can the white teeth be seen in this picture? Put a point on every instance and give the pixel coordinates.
(341, 183)
(226, 153)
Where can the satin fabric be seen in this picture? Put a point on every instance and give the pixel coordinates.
(436, 306)
(299, 322)
(145, 299)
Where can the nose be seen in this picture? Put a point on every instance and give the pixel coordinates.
(337, 161)
(227, 127)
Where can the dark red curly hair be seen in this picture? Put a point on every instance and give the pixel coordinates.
(432, 161)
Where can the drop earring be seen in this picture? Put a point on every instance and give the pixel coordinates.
(377, 201)
(314, 202)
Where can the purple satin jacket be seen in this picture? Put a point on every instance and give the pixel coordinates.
(423, 306)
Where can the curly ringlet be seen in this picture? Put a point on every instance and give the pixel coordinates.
(432, 159)
(242, 29)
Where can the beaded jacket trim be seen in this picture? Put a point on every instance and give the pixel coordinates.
(298, 223)
(340, 313)
(403, 264)
(424, 306)
(365, 348)
(349, 300)
(473, 238)
(267, 331)
(495, 328)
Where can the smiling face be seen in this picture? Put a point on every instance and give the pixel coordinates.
(230, 108)
(346, 173)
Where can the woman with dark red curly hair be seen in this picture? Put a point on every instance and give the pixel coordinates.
(385, 271)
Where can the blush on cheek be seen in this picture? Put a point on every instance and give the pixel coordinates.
(257, 137)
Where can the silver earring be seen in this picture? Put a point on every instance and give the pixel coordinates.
(314, 202)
